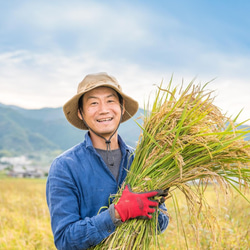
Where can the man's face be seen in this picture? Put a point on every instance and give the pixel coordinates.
(102, 110)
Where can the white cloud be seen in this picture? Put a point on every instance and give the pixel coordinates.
(49, 80)
(83, 23)
(61, 43)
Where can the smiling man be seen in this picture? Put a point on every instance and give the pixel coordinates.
(101, 111)
(82, 179)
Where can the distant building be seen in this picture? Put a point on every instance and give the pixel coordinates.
(20, 167)
(25, 173)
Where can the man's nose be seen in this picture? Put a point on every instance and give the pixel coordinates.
(103, 107)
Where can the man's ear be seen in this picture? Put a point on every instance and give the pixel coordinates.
(79, 114)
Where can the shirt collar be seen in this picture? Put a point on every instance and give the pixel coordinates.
(88, 140)
(122, 144)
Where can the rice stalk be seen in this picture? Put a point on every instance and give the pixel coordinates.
(186, 142)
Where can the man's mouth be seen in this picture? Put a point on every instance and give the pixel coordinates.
(105, 120)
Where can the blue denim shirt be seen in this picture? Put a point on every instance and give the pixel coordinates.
(78, 193)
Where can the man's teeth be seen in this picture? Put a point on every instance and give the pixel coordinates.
(105, 120)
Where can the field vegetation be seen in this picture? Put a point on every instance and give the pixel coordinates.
(24, 216)
(25, 222)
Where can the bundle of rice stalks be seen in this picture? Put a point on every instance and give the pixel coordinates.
(185, 141)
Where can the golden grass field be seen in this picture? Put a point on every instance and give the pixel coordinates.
(25, 223)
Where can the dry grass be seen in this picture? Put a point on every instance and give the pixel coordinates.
(25, 223)
(185, 139)
(231, 228)
(24, 216)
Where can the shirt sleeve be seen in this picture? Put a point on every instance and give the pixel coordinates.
(69, 229)
(111, 209)
(163, 218)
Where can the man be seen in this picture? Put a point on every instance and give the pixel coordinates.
(82, 179)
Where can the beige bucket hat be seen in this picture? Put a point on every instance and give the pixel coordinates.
(90, 82)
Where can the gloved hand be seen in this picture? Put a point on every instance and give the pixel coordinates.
(163, 194)
(133, 205)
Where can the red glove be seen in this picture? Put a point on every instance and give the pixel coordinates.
(132, 205)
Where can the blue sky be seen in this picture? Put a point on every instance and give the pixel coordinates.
(47, 47)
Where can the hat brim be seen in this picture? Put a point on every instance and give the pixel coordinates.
(70, 108)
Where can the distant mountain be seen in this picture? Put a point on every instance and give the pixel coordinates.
(23, 131)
